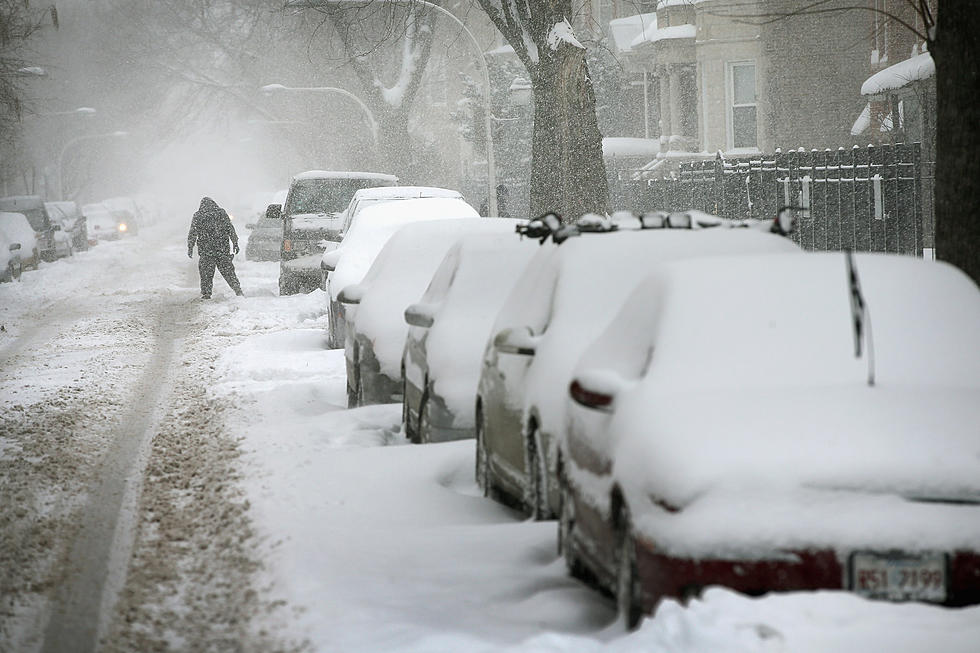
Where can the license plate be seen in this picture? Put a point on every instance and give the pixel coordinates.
(899, 577)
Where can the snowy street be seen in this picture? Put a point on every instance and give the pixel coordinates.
(184, 475)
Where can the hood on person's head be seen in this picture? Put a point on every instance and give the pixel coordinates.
(208, 204)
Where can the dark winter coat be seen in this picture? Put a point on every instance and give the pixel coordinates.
(212, 230)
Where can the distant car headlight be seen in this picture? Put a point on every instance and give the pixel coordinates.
(122, 226)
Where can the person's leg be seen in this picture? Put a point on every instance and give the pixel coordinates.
(227, 270)
(205, 266)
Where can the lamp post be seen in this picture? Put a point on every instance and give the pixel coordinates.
(72, 143)
(269, 89)
(488, 119)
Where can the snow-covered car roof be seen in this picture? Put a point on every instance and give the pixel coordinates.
(468, 289)
(62, 210)
(366, 238)
(18, 230)
(345, 174)
(406, 192)
(744, 376)
(575, 289)
(399, 276)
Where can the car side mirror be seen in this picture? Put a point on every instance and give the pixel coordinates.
(420, 315)
(14, 247)
(351, 294)
(274, 212)
(516, 341)
(330, 260)
(56, 227)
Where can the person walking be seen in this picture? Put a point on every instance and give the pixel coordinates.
(211, 230)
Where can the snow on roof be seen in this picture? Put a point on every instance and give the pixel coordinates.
(652, 34)
(344, 174)
(405, 192)
(399, 276)
(899, 75)
(623, 146)
(625, 30)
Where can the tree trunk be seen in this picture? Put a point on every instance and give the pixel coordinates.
(395, 148)
(956, 51)
(567, 175)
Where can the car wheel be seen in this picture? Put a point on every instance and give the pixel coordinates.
(566, 525)
(406, 422)
(422, 434)
(626, 577)
(482, 463)
(537, 496)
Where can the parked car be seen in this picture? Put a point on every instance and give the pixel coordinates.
(72, 222)
(350, 261)
(311, 218)
(32, 208)
(397, 277)
(448, 329)
(102, 224)
(11, 267)
(366, 197)
(554, 310)
(265, 231)
(17, 230)
(723, 431)
(127, 213)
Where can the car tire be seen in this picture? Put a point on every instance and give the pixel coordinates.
(422, 434)
(566, 526)
(410, 434)
(482, 472)
(355, 389)
(627, 592)
(536, 503)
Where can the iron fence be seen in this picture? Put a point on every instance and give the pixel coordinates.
(865, 199)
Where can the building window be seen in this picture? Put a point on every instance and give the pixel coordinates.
(742, 115)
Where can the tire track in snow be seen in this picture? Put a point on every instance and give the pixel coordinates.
(95, 568)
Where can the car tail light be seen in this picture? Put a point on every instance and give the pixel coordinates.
(589, 398)
(287, 245)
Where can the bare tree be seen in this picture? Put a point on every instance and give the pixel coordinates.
(567, 171)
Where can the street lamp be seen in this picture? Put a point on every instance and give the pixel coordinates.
(487, 122)
(269, 89)
(73, 142)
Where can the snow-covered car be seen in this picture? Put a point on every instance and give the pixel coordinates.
(11, 266)
(72, 223)
(398, 277)
(127, 214)
(448, 329)
(350, 261)
(366, 197)
(16, 229)
(311, 219)
(566, 296)
(265, 230)
(32, 208)
(102, 223)
(744, 422)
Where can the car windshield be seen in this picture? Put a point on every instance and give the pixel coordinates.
(35, 217)
(324, 195)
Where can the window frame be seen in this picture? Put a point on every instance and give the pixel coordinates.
(730, 107)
